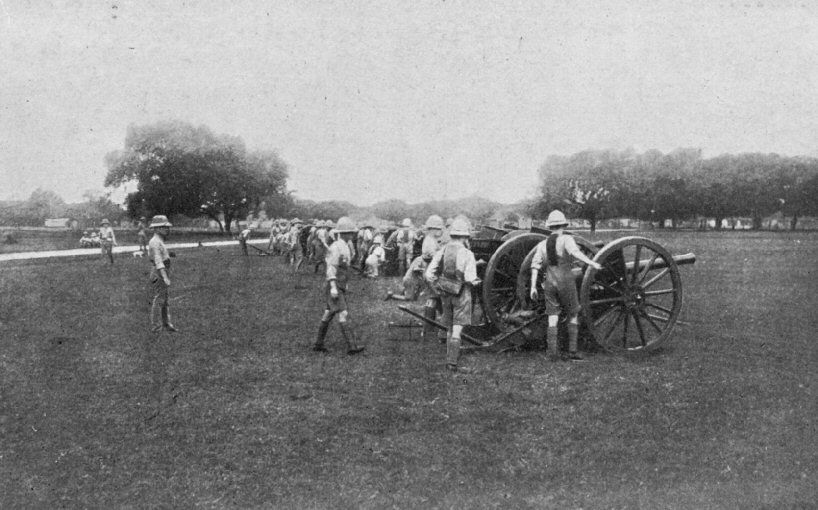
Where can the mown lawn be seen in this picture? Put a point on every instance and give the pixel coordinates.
(236, 411)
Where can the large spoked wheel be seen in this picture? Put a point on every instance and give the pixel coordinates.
(500, 290)
(633, 303)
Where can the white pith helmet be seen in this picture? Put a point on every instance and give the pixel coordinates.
(434, 222)
(556, 219)
(160, 220)
(345, 225)
(461, 226)
(406, 222)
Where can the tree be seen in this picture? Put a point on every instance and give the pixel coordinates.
(588, 184)
(182, 169)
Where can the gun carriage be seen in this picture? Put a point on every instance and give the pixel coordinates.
(631, 304)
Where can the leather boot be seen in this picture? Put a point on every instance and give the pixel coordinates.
(452, 352)
(349, 336)
(166, 320)
(428, 328)
(319, 338)
(573, 334)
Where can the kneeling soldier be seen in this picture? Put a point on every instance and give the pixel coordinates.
(339, 257)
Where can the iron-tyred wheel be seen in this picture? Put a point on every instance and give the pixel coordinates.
(500, 291)
(633, 303)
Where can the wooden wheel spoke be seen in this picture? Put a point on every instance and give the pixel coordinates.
(645, 270)
(648, 318)
(661, 292)
(608, 287)
(636, 263)
(662, 308)
(613, 326)
(604, 316)
(656, 278)
(606, 301)
(503, 274)
(658, 317)
(627, 315)
(639, 328)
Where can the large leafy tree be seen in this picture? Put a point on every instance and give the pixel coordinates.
(182, 169)
(589, 184)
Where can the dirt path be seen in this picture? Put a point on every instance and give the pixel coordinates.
(29, 255)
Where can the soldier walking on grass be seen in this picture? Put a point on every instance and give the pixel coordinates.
(453, 272)
(339, 258)
(159, 279)
(559, 251)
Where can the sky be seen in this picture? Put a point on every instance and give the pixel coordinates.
(412, 100)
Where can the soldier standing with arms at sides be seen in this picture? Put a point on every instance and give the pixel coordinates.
(453, 272)
(406, 242)
(107, 240)
(296, 251)
(559, 251)
(159, 278)
(142, 235)
(339, 259)
(432, 242)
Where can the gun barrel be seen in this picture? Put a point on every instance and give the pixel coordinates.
(680, 260)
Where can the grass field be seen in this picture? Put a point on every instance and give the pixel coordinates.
(236, 411)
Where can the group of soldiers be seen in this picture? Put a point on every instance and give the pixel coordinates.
(444, 273)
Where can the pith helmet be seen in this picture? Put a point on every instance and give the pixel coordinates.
(556, 219)
(160, 220)
(435, 222)
(105, 221)
(461, 226)
(296, 221)
(406, 222)
(345, 225)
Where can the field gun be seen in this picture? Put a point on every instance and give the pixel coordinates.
(631, 304)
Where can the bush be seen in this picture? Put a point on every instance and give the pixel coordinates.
(9, 238)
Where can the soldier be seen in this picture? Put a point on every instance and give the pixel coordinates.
(432, 242)
(365, 240)
(295, 250)
(376, 257)
(142, 234)
(414, 283)
(559, 285)
(405, 238)
(107, 240)
(453, 272)
(244, 236)
(339, 259)
(159, 278)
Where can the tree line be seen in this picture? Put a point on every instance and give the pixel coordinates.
(681, 185)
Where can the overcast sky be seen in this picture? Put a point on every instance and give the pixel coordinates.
(413, 100)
